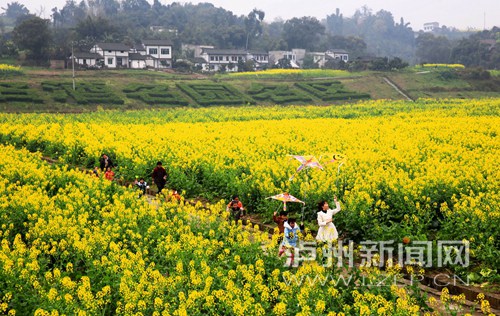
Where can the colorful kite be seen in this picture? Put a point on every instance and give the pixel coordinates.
(335, 158)
(306, 162)
(285, 197)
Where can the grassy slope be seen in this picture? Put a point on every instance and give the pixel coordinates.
(417, 85)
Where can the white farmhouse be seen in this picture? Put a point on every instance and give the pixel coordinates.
(114, 55)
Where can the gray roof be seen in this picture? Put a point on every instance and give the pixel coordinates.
(113, 46)
(136, 56)
(139, 47)
(156, 43)
(258, 53)
(199, 60)
(87, 55)
(337, 51)
(215, 51)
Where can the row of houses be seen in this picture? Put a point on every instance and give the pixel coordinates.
(149, 54)
(157, 54)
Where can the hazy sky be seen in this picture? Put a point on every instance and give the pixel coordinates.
(457, 13)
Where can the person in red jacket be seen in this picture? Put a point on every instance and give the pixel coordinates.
(236, 208)
(110, 175)
(159, 176)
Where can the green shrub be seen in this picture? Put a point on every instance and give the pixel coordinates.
(214, 94)
(154, 94)
(279, 94)
(330, 91)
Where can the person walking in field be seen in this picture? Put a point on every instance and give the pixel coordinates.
(159, 176)
(105, 162)
(327, 230)
(236, 208)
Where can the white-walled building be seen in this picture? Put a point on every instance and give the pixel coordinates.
(114, 55)
(160, 52)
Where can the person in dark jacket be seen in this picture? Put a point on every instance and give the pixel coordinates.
(105, 162)
(159, 176)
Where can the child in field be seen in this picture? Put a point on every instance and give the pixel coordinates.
(236, 208)
(110, 175)
(280, 220)
(291, 238)
(142, 185)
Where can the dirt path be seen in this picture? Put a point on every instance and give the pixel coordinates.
(392, 84)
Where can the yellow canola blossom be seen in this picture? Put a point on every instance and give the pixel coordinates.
(83, 245)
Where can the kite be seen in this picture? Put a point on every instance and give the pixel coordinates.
(285, 197)
(306, 162)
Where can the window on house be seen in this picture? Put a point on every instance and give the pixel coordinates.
(110, 61)
(227, 58)
(212, 58)
(153, 51)
(84, 61)
(122, 51)
(165, 51)
(109, 51)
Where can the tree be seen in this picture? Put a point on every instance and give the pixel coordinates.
(94, 29)
(308, 63)
(284, 63)
(303, 32)
(481, 49)
(33, 35)
(432, 49)
(14, 10)
(335, 23)
(397, 63)
(253, 24)
(354, 45)
(135, 6)
(103, 7)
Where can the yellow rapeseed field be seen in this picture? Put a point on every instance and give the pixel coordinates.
(425, 170)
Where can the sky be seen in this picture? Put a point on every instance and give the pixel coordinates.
(462, 14)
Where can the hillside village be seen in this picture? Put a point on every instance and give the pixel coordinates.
(158, 54)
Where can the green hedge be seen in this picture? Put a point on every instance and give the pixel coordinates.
(330, 91)
(18, 92)
(85, 92)
(277, 93)
(214, 94)
(155, 94)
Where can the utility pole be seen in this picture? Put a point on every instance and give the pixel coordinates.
(73, 64)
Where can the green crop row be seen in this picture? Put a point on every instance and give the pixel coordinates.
(155, 94)
(279, 94)
(214, 94)
(330, 91)
(18, 92)
(84, 93)
(204, 94)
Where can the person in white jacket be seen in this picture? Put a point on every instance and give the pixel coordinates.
(327, 231)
